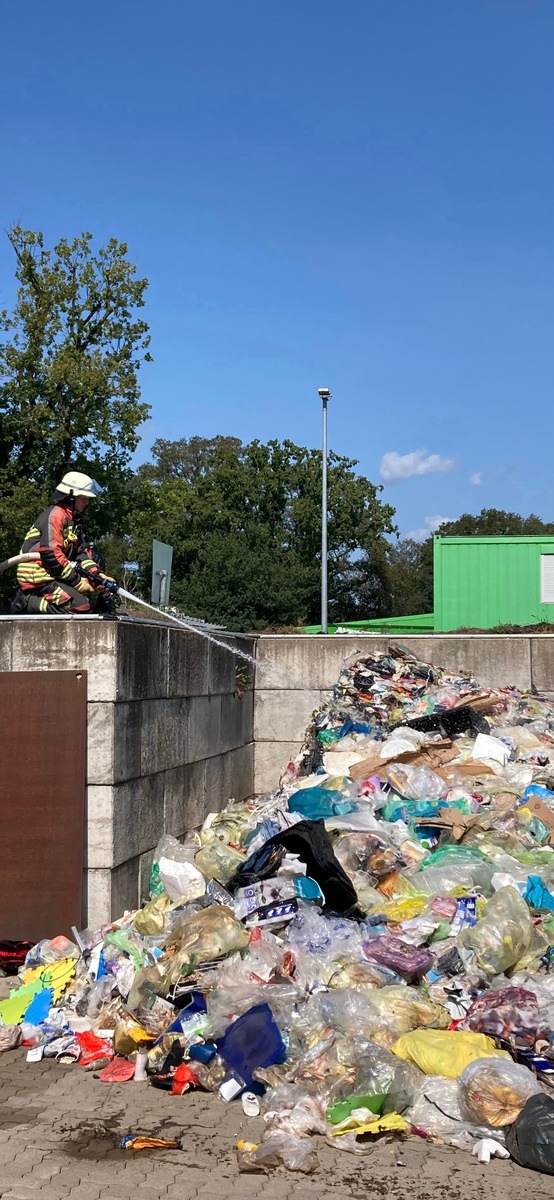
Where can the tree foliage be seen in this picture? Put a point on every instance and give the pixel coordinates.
(70, 355)
(245, 525)
(493, 522)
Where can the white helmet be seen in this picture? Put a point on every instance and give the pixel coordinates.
(77, 484)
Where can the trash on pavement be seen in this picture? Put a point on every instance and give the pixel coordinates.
(365, 952)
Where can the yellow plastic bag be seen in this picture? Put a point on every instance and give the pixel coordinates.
(392, 1123)
(149, 921)
(445, 1051)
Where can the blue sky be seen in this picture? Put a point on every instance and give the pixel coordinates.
(356, 195)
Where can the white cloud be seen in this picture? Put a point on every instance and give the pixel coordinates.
(476, 479)
(402, 466)
(432, 525)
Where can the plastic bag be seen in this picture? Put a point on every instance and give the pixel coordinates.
(411, 962)
(376, 1071)
(304, 1118)
(365, 854)
(10, 1037)
(531, 1138)
(444, 1051)
(404, 1008)
(505, 935)
(169, 848)
(316, 803)
(211, 934)
(181, 879)
(506, 1013)
(436, 1112)
(149, 920)
(218, 861)
(416, 783)
(494, 1090)
(295, 1153)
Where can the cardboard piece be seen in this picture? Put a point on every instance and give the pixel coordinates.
(432, 756)
(457, 823)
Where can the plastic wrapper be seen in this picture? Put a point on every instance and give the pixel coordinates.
(444, 1051)
(510, 1014)
(505, 935)
(494, 1090)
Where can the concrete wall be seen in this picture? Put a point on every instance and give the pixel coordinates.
(295, 673)
(170, 737)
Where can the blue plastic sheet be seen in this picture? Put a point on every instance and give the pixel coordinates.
(318, 803)
(537, 895)
(253, 1040)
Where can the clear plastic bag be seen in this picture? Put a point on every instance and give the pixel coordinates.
(295, 1153)
(416, 783)
(436, 1112)
(304, 1118)
(211, 934)
(365, 855)
(494, 1091)
(505, 935)
(404, 1008)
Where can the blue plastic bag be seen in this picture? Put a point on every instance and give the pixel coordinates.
(253, 1040)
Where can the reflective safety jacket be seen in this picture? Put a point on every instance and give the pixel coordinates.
(64, 556)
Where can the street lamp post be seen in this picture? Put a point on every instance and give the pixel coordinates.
(325, 397)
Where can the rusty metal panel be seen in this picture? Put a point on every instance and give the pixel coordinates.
(43, 716)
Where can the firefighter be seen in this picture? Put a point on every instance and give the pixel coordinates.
(67, 576)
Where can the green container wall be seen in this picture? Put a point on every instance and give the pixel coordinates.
(484, 582)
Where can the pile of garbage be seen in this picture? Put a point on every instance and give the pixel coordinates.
(366, 952)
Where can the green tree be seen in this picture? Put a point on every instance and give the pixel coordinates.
(409, 575)
(245, 524)
(70, 355)
(493, 522)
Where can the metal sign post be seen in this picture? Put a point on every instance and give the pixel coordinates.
(162, 558)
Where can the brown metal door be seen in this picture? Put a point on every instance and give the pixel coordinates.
(43, 718)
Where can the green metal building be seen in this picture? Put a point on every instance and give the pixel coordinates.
(479, 583)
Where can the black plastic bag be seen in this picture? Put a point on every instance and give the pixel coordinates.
(530, 1139)
(311, 842)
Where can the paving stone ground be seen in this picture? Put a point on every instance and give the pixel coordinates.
(60, 1130)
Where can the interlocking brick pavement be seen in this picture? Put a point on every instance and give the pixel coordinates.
(60, 1130)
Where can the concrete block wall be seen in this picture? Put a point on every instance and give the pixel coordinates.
(169, 737)
(295, 673)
